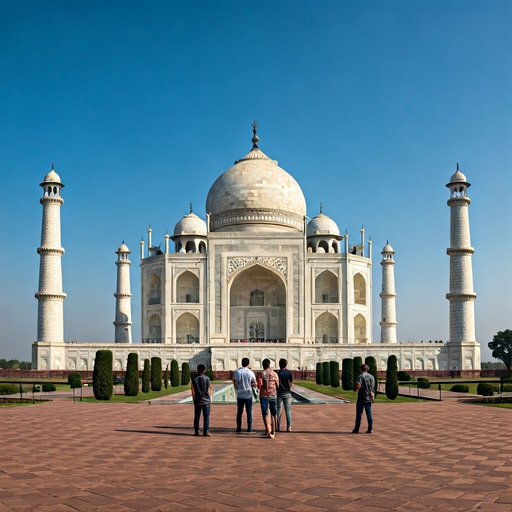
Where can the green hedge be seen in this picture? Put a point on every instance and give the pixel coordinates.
(335, 374)
(75, 380)
(423, 382)
(485, 389)
(347, 374)
(185, 374)
(175, 373)
(372, 364)
(9, 389)
(392, 378)
(404, 376)
(131, 379)
(166, 377)
(145, 377)
(460, 388)
(326, 373)
(102, 375)
(48, 387)
(356, 369)
(156, 374)
(210, 375)
(319, 374)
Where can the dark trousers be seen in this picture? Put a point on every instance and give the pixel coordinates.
(360, 407)
(241, 403)
(205, 409)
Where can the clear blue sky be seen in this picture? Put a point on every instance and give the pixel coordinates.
(142, 105)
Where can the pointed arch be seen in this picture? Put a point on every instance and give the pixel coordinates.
(359, 289)
(360, 329)
(154, 290)
(202, 247)
(326, 288)
(326, 328)
(187, 329)
(190, 246)
(323, 245)
(187, 287)
(155, 329)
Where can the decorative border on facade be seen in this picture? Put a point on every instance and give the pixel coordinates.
(273, 262)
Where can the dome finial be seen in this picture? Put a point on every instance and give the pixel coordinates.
(321, 208)
(191, 209)
(53, 167)
(255, 138)
(457, 166)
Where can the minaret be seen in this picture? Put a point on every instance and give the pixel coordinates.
(461, 296)
(123, 321)
(50, 316)
(388, 320)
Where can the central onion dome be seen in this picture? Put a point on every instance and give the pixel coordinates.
(256, 195)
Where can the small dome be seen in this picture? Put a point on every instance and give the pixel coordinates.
(322, 225)
(458, 177)
(190, 224)
(388, 248)
(123, 248)
(52, 177)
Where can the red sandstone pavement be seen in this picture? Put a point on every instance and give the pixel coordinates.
(444, 456)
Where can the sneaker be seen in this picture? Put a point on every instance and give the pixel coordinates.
(207, 434)
(355, 431)
(196, 433)
(271, 435)
(369, 431)
(289, 429)
(238, 431)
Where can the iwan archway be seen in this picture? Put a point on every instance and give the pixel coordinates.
(257, 306)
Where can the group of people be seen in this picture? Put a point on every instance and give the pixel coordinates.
(275, 395)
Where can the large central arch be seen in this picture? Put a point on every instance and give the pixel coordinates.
(257, 306)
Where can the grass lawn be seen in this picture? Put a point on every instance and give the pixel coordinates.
(350, 395)
(121, 398)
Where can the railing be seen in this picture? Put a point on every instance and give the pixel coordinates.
(152, 340)
(153, 301)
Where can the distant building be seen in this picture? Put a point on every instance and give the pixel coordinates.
(255, 279)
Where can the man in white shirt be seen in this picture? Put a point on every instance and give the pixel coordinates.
(244, 382)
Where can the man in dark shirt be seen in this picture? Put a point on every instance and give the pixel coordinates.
(284, 395)
(201, 394)
(365, 384)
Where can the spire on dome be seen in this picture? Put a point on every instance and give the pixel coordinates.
(321, 208)
(457, 166)
(191, 209)
(255, 139)
(53, 169)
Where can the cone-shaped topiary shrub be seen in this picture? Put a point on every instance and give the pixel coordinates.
(319, 373)
(347, 374)
(102, 376)
(356, 368)
(145, 377)
(131, 379)
(326, 373)
(423, 382)
(372, 364)
(175, 374)
(185, 374)
(335, 374)
(392, 378)
(403, 376)
(75, 380)
(210, 375)
(156, 374)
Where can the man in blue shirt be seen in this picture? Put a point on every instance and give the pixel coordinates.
(201, 394)
(244, 382)
(365, 384)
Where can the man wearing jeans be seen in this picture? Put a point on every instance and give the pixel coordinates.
(268, 398)
(284, 395)
(244, 381)
(201, 394)
(365, 384)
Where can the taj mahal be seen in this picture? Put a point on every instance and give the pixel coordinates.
(256, 277)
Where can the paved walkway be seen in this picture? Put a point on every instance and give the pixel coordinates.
(445, 456)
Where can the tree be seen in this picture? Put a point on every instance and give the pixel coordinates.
(501, 346)
(175, 373)
(356, 369)
(319, 374)
(347, 374)
(372, 364)
(156, 374)
(392, 378)
(335, 374)
(75, 380)
(166, 377)
(102, 375)
(131, 379)
(185, 374)
(326, 373)
(145, 377)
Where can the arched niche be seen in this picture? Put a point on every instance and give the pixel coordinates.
(326, 288)
(360, 329)
(187, 287)
(359, 289)
(190, 246)
(154, 289)
(187, 329)
(326, 328)
(155, 329)
(258, 299)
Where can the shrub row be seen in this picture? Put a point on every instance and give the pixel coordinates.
(460, 388)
